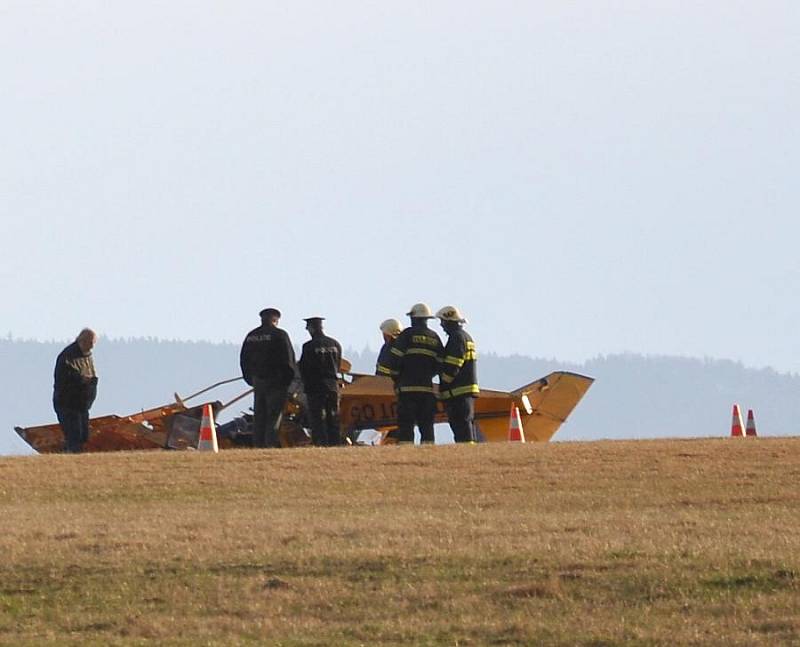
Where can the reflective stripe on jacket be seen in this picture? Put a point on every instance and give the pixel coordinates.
(383, 365)
(415, 357)
(458, 374)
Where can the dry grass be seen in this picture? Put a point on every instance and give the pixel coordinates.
(642, 543)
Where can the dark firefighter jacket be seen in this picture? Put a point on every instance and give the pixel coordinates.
(267, 353)
(75, 380)
(415, 358)
(459, 375)
(319, 364)
(382, 367)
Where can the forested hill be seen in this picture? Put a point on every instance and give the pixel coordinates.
(633, 396)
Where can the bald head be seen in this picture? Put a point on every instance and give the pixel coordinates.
(86, 339)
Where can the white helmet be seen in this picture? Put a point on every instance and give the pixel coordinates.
(391, 327)
(420, 310)
(450, 313)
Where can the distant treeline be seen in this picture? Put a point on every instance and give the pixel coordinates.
(634, 396)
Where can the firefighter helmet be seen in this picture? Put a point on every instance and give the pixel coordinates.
(421, 311)
(450, 313)
(391, 327)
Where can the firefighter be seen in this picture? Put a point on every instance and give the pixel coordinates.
(319, 366)
(390, 329)
(268, 365)
(415, 357)
(458, 377)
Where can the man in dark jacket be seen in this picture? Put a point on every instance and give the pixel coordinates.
(415, 358)
(75, 389)
(390, 329)
(268, 365)
(319, 365)
(458, 379)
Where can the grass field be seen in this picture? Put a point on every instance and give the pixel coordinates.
(606, 543)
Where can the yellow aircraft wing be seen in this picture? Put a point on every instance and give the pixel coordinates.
(369, 402)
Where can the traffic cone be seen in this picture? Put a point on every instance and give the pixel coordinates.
(750, 430)
(736, 423)
(208, 432)
(515, 432)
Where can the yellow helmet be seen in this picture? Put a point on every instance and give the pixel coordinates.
(420, 310)
(391, 327)
(450, 313)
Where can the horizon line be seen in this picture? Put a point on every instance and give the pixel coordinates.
(10, 338)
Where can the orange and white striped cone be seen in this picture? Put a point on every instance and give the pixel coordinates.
(750, 430)
(515, 432)
(736, 424)
(208, 432)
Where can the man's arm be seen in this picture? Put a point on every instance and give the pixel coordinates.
(453, 359)
(302, 363)
(396, 354)
(58, 371)
(338, 366)
(244, 362)
(288, 358)
(66, 375)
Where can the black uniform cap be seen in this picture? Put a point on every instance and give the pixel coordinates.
(312, 320)
(269, 312)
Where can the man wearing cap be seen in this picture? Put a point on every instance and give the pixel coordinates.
(458, 378)
(319, 365)
(268, 365)
(75, 389)
(415, 357)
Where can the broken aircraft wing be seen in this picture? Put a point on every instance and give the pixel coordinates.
(367, 402)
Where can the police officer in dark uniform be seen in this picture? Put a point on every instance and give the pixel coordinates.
(415, 357)
(458, 379)
(268, 365)
(319, 365)
(75, 389)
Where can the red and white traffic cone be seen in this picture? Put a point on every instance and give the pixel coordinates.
(750, 430)
(736, 423)
(515, 432)
(208, 432)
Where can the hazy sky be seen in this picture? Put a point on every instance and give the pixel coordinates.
(580, 178)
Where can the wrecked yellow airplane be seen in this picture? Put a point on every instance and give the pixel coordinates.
(368, 402)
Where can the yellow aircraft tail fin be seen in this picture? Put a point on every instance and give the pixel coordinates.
(546, 403)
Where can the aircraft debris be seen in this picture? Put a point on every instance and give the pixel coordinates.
(368, 402)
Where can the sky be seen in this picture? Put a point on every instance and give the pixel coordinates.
(579, 178)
